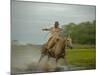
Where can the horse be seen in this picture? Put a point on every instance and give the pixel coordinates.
(58, 50)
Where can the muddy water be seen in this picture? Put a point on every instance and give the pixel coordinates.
(24, 59)
(22, 55)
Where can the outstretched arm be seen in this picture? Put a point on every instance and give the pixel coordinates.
(46, 29)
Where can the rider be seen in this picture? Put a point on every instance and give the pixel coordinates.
(55, 34)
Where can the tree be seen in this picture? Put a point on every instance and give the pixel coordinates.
(83, 33)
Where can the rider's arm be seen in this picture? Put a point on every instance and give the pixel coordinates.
(46, 29)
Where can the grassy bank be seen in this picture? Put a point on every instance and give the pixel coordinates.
(82, 57)
(83, 46)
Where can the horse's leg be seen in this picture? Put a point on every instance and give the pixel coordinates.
(42, 55)
(57, 61)
(48, 58)
(44, 51)
(65, 60)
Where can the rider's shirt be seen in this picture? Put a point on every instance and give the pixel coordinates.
(55, 31)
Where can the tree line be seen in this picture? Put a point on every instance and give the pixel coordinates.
(81, 33)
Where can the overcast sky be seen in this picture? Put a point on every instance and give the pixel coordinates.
(28, 18)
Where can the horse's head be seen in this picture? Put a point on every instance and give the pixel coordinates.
(69, 42)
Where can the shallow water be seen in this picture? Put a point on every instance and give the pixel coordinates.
(24, 59)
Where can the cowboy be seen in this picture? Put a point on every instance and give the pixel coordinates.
(55, 34)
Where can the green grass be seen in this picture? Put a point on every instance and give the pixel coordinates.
(83, 46)
(82, 57)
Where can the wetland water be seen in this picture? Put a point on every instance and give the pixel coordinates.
(24, 59)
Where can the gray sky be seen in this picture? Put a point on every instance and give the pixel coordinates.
(28, 18)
